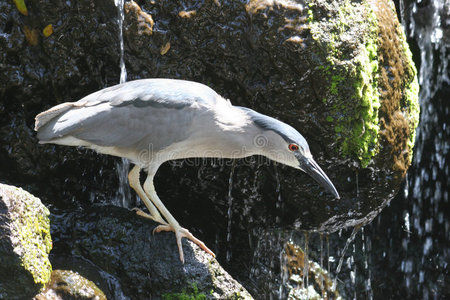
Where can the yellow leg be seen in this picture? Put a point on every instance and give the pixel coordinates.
(173, 225)
(133, 178)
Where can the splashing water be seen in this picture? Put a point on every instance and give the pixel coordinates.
(123, 196)
(328, 252)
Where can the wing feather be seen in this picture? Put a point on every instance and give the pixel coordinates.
(134, 114)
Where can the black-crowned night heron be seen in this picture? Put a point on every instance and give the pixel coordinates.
(151, 121)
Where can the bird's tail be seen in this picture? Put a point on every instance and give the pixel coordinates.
(48, 115)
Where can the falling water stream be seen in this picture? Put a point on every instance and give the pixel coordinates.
(230, 210)
(123, 196)
(123, 70)
(341, 259)
(368, 281)
(306, 264)
(279, 203)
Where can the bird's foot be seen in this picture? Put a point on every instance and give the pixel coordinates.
(180, 233)
(141, 213)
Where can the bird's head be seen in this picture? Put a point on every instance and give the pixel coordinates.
(282, 143)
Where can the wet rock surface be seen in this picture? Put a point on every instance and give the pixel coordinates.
(66, 284)
(144, 265)
(260, 54)
(25, 243)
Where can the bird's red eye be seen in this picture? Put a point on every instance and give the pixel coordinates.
(293, 147)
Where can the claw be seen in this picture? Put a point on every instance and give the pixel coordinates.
(139, 212)
(180, 233)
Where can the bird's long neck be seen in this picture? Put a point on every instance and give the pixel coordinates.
(230, 118)
(230, 133)
(238, 132)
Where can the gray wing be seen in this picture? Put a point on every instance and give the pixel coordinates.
(156, 92)
(135, 114)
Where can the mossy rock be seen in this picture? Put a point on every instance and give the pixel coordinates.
(70, 285)
(25, 243)
(372, 83)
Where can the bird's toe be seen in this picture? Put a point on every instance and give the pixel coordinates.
(180, 233)
(185, 233)
(141, 213)
(164, 227)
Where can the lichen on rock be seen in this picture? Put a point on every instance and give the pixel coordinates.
(25, 243)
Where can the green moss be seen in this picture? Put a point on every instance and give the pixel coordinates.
(188, 293)
(351, 72)
(28, 228)
(336, 81)
(412, 101)
(310, 13)
(33, 231)
(338, 129)
(364, 136)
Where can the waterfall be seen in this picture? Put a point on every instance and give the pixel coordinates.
(230, 211)
(427, 184)
(121, 13)
(425, 26)
(123, 196)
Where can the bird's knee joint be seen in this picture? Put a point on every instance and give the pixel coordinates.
(148, 185)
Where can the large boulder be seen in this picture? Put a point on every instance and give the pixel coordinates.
(146, 266)
(25, 243)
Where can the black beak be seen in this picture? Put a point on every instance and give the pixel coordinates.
(312, 169)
